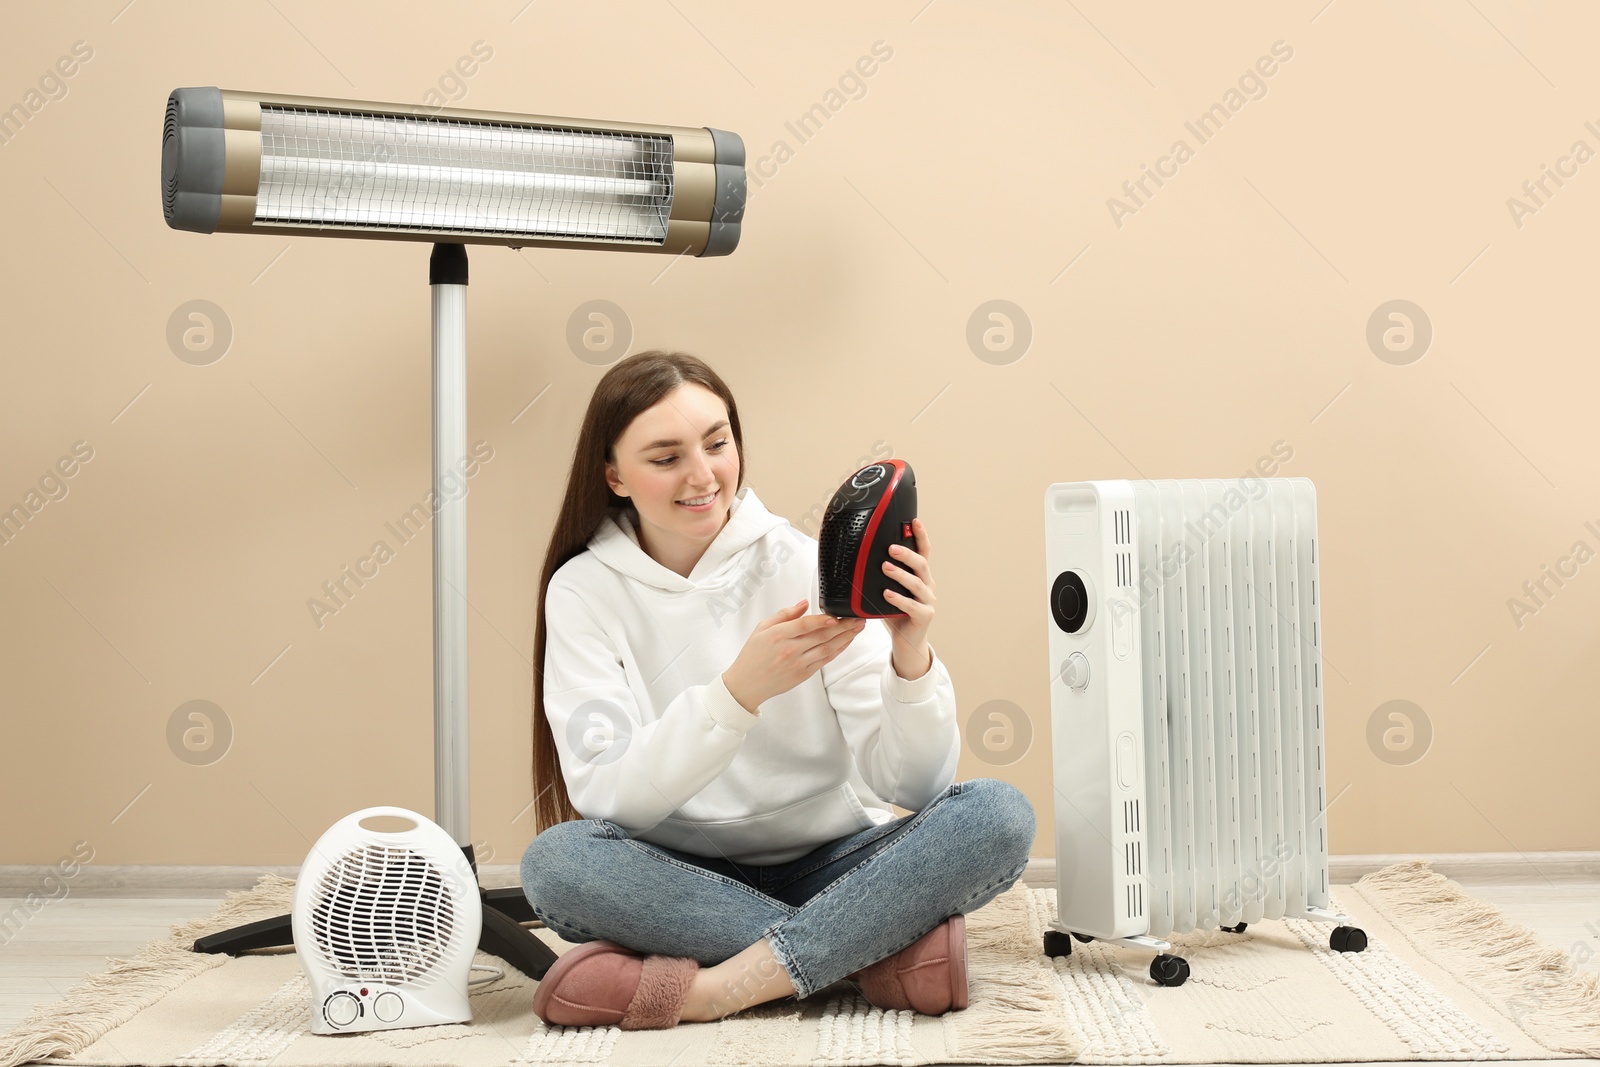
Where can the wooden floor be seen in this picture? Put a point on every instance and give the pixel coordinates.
(76, 935)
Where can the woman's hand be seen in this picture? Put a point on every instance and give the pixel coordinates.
(786, 648)
(912, 656)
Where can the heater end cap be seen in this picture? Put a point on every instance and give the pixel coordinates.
(727, 210)
(192, 159)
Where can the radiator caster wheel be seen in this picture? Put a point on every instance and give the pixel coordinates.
(1085, 938)
(1347, 939)
(1057, 944)
(1236, 929)
(1169, 970)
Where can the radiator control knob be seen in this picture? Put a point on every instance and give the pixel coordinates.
(1075, 671)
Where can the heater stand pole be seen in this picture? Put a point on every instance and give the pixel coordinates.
(447, 276)
(503, 909)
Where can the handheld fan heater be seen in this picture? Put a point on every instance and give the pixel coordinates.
(299, 166)
(1186, 712)
(872, 510)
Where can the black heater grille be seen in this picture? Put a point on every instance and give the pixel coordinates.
(836, 555)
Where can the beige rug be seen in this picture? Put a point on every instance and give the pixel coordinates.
(1443, 978)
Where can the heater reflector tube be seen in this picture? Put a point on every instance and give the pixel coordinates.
(256, 163)
(373, 170)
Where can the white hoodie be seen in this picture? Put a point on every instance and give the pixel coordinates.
(650, 738)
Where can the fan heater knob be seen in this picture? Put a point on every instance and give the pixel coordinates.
(388, 1007)
(341, 1009)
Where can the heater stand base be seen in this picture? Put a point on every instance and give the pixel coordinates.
(1323, 915)
(1171, 970)
(504, 910)
(1138, 941)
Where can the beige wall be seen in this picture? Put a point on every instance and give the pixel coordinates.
(1224, 316)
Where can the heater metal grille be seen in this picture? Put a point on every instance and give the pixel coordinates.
(382, 915)
(321, 167)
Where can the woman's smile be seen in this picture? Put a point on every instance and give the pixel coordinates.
(705, 506)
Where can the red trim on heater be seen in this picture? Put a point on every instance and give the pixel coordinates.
(866, 541)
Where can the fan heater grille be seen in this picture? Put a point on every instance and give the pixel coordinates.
(382, 915)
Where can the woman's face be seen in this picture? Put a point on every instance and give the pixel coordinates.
(680, 449)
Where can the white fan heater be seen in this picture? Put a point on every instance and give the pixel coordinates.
(1186, 711)
(386, 924)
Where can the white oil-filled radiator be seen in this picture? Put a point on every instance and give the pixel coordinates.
(1186, 712)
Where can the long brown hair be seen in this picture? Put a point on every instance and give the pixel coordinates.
(632, 385)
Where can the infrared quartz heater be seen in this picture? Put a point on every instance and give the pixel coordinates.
(259, 163)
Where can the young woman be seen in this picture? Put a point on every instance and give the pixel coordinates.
(715, 758)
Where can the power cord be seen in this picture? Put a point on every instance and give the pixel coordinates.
(498, 974)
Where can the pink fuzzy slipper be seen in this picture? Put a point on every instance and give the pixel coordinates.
(929, 975)
(600, 983)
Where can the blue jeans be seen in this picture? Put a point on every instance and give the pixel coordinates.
(833, 911)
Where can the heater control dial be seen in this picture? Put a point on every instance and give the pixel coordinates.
(867, 477)
(1075, 671)
(341, 1009)
(387, 1007)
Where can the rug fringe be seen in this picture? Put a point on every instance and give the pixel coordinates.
(107, 1000)
(1009, 1018)
(1004, 1021)
(1551, 1000)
